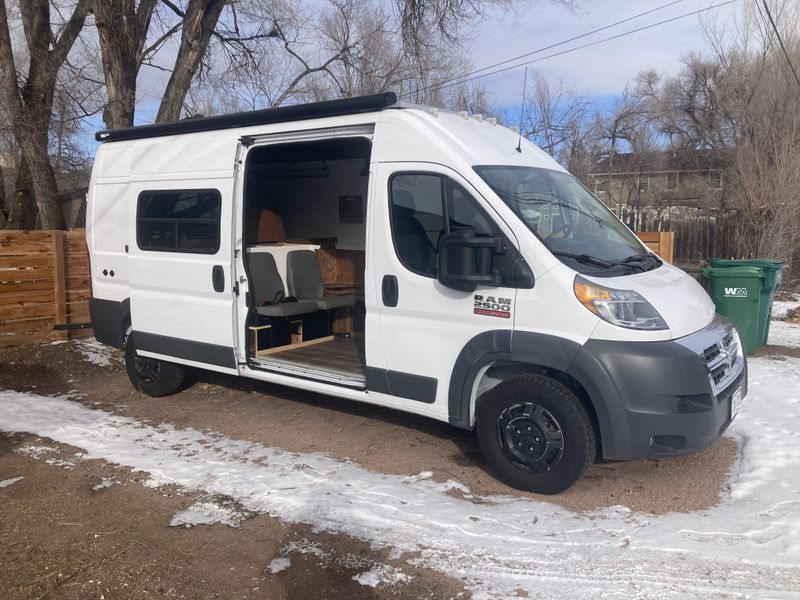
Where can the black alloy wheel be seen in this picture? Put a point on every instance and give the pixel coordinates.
(530, 437)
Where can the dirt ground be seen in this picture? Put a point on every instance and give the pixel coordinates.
(62, 538)
(59, 538)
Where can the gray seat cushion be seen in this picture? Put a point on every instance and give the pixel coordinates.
(287, 309)
(265, 281)
(303, 275)
(331, 302)
(306, 284)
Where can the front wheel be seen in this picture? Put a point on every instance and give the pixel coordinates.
(535, 434)
(152, 376)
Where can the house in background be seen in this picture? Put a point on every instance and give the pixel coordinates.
(688, 192)
(73, 186)
(663, 178)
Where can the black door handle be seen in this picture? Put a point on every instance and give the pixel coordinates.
(218, 278)
(389, 290)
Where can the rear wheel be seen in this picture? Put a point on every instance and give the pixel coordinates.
(152, 376)
(535, 434)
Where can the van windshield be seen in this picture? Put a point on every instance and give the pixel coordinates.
(573, 224)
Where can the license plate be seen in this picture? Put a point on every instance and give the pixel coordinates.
(736, 402)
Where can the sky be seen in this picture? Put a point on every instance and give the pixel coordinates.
(601, 71)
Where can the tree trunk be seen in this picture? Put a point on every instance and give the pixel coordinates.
(5, 208)
(23, 207)
(122, 29)
(198, 26)
(29, 98)
(43, 182)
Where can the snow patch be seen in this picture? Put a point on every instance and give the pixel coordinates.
(35, 451)
(209, 510)
(418, 477)
(381, 576)
(96, 353)
(457, 486)
(747, 546)
(782, 333)
(780, 308)
(60, 462)
(7, 482)
(106, 483)
(304, 547)
(278, 564)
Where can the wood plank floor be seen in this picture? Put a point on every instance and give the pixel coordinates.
(341, 356)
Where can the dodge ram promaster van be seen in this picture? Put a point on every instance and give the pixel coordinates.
(428, 261)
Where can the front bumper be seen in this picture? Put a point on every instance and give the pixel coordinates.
(657, 399)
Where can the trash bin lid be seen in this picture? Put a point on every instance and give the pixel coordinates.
(732, 272)
(763, 263)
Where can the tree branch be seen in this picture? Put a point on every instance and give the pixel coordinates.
(70, 33)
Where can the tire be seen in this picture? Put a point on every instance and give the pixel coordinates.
(535, 434)
(152, 376)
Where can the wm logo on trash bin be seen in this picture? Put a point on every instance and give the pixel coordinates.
(739, 292)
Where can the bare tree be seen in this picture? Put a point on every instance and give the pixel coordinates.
(6, 152)
(199, 22)
(122, 29)
(30, 98)
(345, 48)
(420, 20)
(555, 119)
(5, 209)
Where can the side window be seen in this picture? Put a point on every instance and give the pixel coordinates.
(463, 211)
(417, 219)
(426, 206)
(179, 221)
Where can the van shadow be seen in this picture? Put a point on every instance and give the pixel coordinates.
(469, 454)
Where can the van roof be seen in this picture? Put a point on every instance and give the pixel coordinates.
(281, 114)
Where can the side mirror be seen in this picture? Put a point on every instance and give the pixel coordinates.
(465, 260)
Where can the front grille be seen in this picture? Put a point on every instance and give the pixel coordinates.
(723, 361)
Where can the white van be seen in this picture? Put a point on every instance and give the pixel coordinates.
(423, 260)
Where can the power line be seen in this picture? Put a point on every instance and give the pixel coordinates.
(551, 46)
(567, 51)
(582, 46)
(780, 40)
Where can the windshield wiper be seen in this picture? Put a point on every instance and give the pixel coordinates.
(639, 258)
(586, 259)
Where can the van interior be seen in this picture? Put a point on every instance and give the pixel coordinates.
(305, 238)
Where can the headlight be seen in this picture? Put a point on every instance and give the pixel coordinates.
(624, 308)
(739, 347)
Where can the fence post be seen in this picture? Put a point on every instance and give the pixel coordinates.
(59, 280)
(666, 245)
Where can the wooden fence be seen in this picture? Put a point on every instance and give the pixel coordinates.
(660, 242)
(44, 283)
(699, 233)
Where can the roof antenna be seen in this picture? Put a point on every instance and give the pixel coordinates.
(522, 112)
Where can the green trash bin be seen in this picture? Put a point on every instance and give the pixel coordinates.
(773, 274)
(736, 292)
